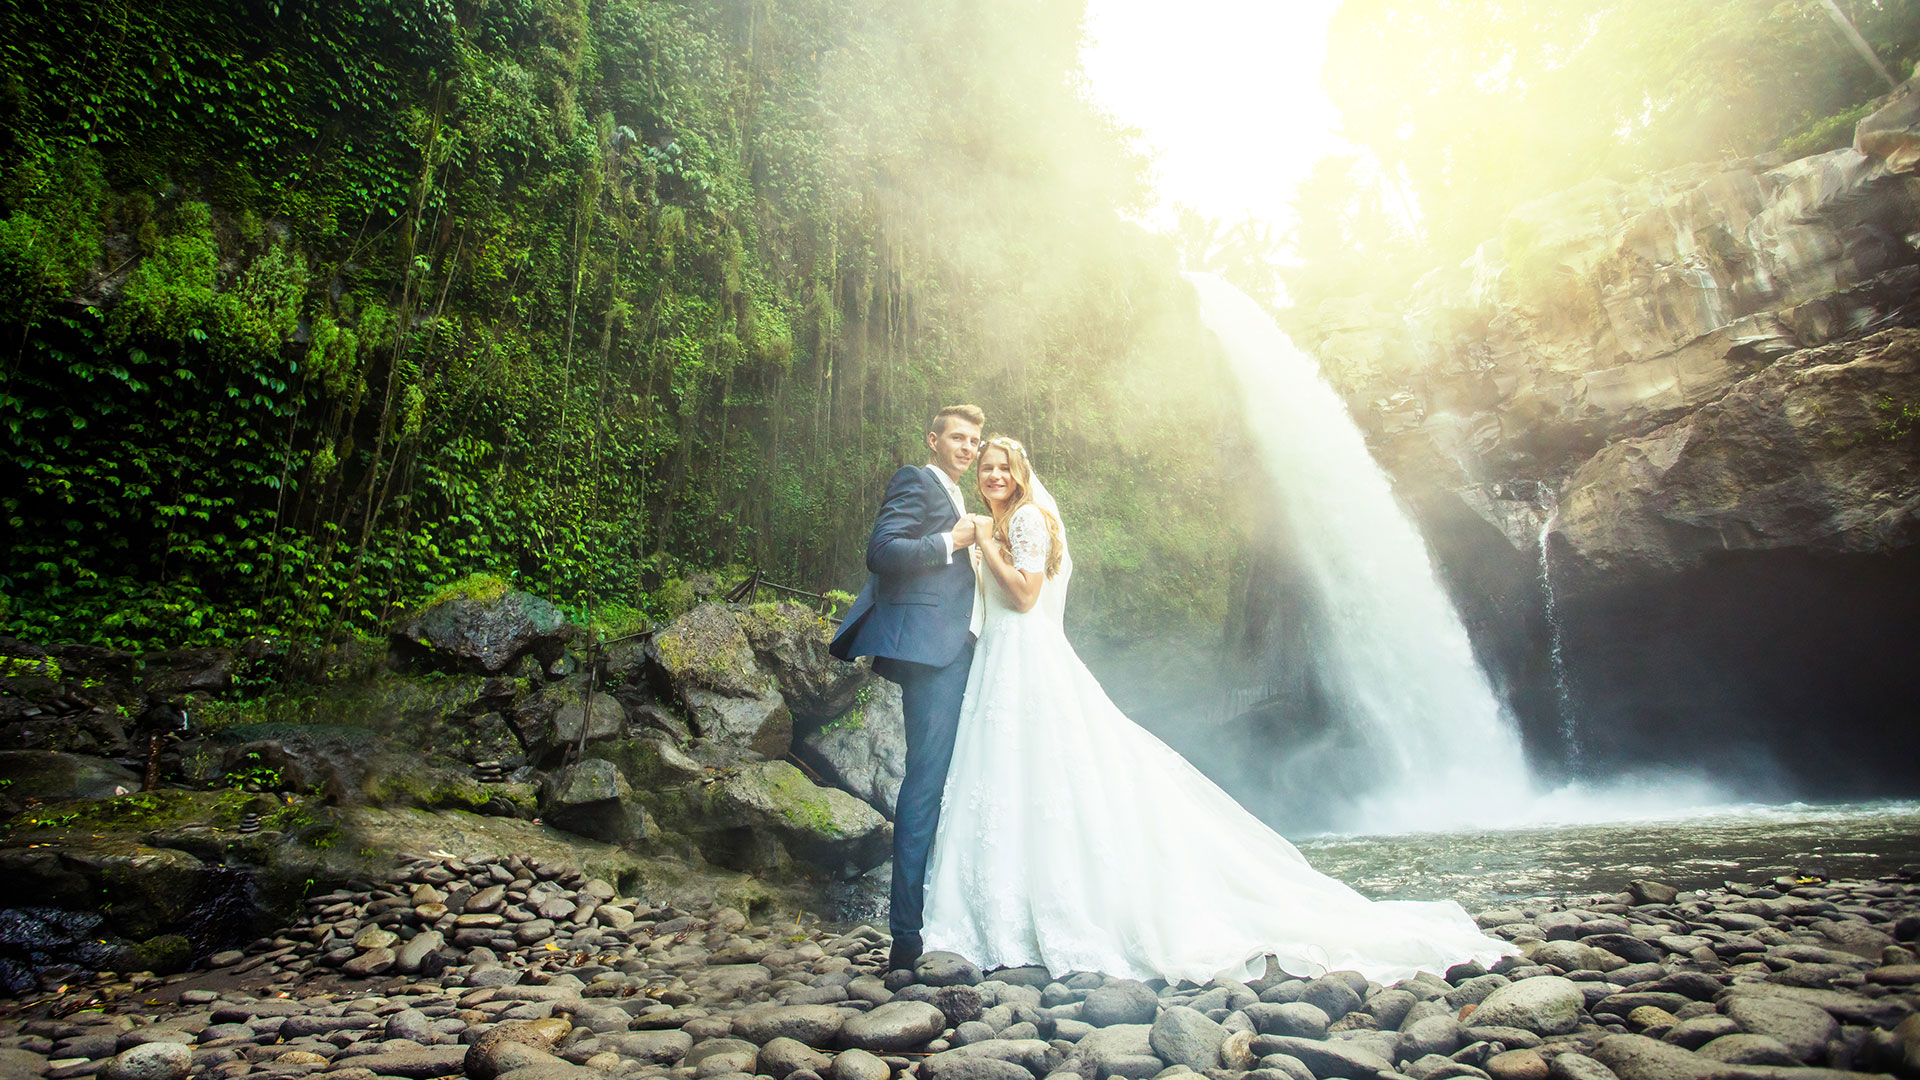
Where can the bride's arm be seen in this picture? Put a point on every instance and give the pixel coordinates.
(1021, 586)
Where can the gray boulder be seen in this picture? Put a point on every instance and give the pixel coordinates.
(594, 800)
(485, 631)
(1547, 1005)
(1296, 1018)
(1125, 1002)
(44, 774)
(1120, 1050)
(864, 750)
(150, 1061)
(825, 826)
(791, 642)
(897, 1025)
(1327, 1059)
(782, 1056)
(813, 1025)
(1802, 1028)
(712, 668)
(1184, 1036)
(1745, 1049)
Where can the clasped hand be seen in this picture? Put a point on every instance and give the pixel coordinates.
(971, 529)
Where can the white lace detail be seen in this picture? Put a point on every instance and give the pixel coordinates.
(1071, 838)
(1027, 535)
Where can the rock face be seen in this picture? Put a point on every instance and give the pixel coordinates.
(864, 750)
(719, 681)
(594, 800)
(825, 826)
(485, 633)
(792, 642)
(1691, 400)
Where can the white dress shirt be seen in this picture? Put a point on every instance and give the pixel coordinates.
(976, 617)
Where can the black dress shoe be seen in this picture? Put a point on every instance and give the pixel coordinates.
(905, 952)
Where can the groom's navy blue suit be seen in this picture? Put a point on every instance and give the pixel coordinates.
(912, 618)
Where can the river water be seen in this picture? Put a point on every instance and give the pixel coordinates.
(1486, 868)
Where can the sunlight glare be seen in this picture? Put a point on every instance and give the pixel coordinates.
(1225, 94)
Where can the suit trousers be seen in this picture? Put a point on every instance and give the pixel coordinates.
(930, 705)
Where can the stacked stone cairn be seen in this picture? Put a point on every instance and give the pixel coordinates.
(505, 969)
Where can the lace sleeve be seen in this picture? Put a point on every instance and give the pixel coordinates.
(1027, 536)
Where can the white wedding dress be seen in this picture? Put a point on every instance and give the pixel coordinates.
(1072, 839)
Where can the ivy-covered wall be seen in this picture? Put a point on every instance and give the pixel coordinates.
(308, 307)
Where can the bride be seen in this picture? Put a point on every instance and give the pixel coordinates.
(1072, 839)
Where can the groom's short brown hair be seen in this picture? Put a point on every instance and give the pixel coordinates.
(970, 413)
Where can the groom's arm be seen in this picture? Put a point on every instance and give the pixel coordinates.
(893, 549)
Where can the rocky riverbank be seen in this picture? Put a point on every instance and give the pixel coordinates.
(721, 756)
(511, 969)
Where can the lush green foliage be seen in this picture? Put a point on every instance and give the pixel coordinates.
(1468, 109)
(314, 307)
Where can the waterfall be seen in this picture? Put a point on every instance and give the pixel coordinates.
(1412, 736)
(1556, 647)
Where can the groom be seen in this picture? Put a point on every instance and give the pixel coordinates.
(916, 618)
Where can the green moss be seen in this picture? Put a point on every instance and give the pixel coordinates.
(163, 954)
(477, 586)
(140, 811)
(29, 667)
(427, 787)
(801, 802)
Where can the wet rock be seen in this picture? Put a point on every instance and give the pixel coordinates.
(711, 665)
(1699, 1031)
(1575, 1066)
(1803, 1029)
(945, 969)
(897, 1025)
(791, 641)
(812, 1025)
(863, 750)
(1744, 1049)
(1517, 1065)
(1184, 1036)
(859, 1065)
(1651, 892)
(484, 633)
(1332, 996)
(1122, 1050)
(483, 1060)
(41, 774)
(1548, 1005)
(1433, 1035)
(958, 1065)
(1124, 1002)
(150, 1061)
(412, 956)
(782, 1056)
(1326, 1059)
(593, 799)
(1296, 1018)
(825, 826)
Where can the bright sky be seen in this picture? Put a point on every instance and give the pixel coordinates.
(1226, 95)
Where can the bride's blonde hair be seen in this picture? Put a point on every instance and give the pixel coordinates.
(1022, 471)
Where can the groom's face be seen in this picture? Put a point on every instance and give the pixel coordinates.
(954, 446)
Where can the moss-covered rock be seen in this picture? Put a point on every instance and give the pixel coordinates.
(162, 954)
(711, 667)
(593, 799)
(791, 642)
(483, 627)
(824, 826)
(39, 774)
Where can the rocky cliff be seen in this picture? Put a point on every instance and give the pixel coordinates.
(1662, 438)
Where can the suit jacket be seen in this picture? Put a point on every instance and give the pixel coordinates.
(915, 605)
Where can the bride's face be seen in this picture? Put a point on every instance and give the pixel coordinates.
(996, 476)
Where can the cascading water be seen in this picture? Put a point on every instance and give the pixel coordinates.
(1556, 641)
(1415, 735)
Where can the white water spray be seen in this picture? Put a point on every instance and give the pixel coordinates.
(1556, 641)
(1393, 656)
